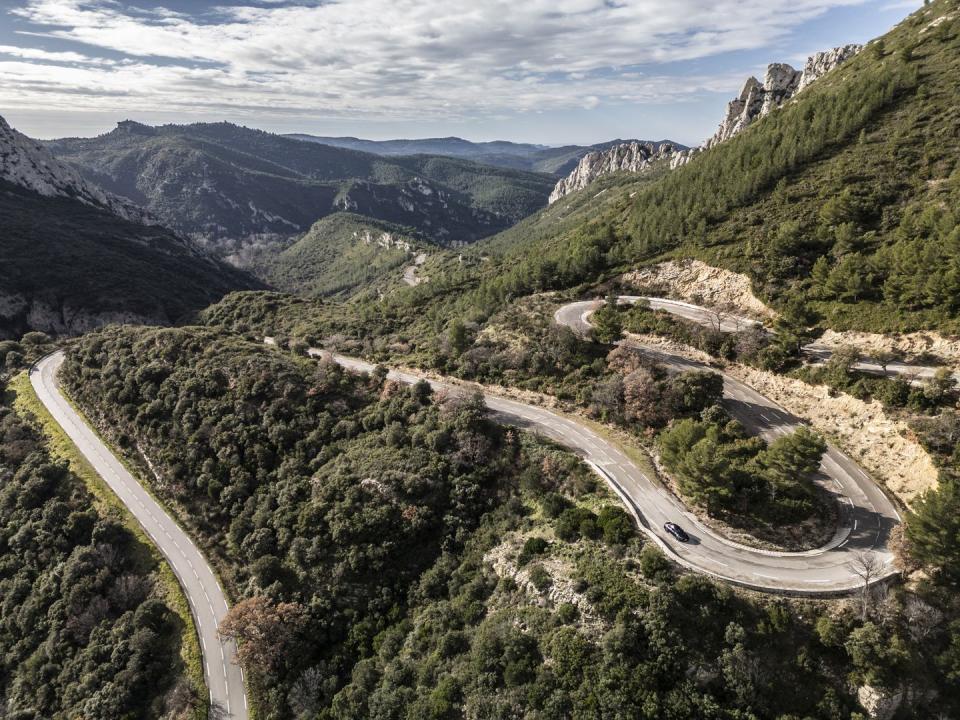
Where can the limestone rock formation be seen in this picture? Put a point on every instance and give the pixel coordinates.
(823, 62)
(629, 157)
(756, 99)
(28, 164)
(780, 83)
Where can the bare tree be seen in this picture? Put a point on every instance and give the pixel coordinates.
(867, 566)
(717, 317)
(922, 618)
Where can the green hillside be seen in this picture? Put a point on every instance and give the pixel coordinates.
(221, 183)
(842, 198)
(340, 253)
(68, 267)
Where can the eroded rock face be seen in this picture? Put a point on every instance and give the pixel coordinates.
(880, 704)
(823, 62)
(30, 165)
(19, 314)
(630, 157)
(780, 83)
(756, 99)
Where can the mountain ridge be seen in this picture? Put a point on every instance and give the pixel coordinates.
(28, 164)
(74, 257)
(755, 100)
(557, 160)
(224, 184)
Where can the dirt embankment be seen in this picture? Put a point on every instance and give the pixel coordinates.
(914, 345)
(702, 284)
(881, 444)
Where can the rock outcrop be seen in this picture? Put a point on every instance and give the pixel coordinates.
(780, 83)
(823, 62)
(630, 157)
(28, 164)
(756, 99)
(880, 704)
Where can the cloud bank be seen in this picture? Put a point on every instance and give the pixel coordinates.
(380, 58)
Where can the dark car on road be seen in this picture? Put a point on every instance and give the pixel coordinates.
(678, 532)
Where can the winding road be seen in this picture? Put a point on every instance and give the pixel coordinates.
(208, 604)
(727, 322)
(867, 518)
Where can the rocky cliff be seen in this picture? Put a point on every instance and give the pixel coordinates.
(28, 164)
(630, 157)
(756, 99)
(780, 83)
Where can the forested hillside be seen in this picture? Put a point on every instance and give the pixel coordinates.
(339, 255)
(840, 196)
(838, 206)
(85, 627)
(67, 267)
(231, 186)
(396, 555)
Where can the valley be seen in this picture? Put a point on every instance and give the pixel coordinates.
(354, 417)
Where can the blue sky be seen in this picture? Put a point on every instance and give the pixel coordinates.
(548, 71)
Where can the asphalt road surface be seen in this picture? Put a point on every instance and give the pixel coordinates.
(207, 601)
(727, 322)
(867, 518)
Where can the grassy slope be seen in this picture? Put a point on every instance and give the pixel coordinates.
(28, 404)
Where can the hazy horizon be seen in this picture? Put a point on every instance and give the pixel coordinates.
(575, 72)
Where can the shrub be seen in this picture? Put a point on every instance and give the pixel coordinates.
(576, 522)
(616, 524)
(654, 564)
(553, 504)
(532, 548)
(540, 577)
(35, 338)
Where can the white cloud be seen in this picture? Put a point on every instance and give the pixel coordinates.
(401, 58)
(28, 53)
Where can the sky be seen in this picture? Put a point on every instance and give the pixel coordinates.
(543, 71)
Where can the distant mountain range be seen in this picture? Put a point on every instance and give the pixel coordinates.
(73, 257)
(225, 185)
(519, 156)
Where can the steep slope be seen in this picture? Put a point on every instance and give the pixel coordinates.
(856, 176)
(220, 183)
(340, 254)
(68, 263)
(781, 82)
(30, 165)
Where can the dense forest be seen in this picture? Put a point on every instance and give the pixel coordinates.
(85, 628)
(382, 570)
